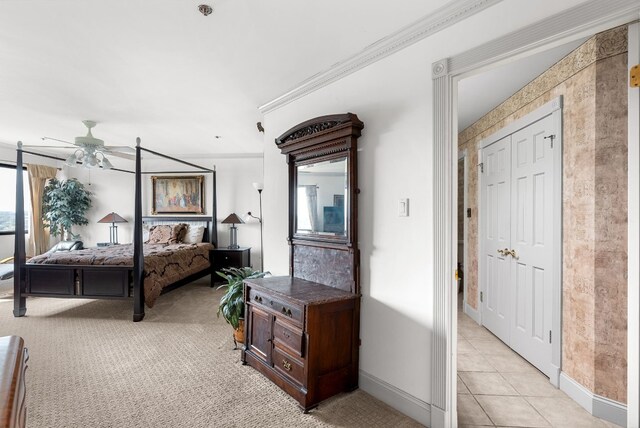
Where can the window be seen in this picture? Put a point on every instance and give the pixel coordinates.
(8, 200)
(304, 217)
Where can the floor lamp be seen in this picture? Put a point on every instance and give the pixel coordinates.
(259, 187)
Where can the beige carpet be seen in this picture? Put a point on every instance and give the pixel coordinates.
(90, 366)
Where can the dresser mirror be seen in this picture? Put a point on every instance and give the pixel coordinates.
(322, 159)
(322, 198)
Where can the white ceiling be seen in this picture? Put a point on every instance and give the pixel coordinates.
(162, 71)
(481, 93)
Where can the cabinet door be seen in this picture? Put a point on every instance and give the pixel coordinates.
(259, 340)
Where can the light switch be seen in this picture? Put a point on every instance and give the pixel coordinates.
(403, 208)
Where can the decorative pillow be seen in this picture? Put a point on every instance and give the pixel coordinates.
(167, 233)
(194, 234)
(146, 227)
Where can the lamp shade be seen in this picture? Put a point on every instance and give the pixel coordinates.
(232, 219)
(112, 218)
(258, 186)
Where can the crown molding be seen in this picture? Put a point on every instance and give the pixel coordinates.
(585, 18)
(442, 18)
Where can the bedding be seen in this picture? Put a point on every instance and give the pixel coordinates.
(167, 233)
(194, 234)
(164, 264)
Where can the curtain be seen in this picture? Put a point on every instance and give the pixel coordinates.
(38, 235)
(312, 204)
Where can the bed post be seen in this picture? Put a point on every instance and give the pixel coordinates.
(213, 234)
(138, 253)
(19, 255)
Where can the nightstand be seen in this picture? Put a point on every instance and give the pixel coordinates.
(228, 257)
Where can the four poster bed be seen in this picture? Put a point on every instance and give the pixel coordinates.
(140, 271)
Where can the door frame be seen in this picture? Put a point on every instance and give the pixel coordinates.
(579, 21)
(552, 108)
(633, 252)
(468, 310)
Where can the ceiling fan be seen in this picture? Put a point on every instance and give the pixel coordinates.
(90, 151)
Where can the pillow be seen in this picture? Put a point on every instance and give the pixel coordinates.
(194, 234)
(167, 233)
(146, 227)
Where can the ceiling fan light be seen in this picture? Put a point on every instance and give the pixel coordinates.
(90, 161)
(71, 160)
(105, 163)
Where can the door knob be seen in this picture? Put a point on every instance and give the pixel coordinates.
(511, 253)
(507, 252)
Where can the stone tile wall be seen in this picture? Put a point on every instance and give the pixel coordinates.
(592, 81)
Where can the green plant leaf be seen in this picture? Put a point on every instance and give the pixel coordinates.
(232, 301)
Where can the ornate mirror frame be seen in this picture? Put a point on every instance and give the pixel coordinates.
(316, 256)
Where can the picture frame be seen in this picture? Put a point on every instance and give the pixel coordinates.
(334, 220)
(177, 194)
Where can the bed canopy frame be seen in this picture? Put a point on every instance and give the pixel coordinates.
(135, 272)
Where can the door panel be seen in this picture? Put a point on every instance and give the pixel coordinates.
(496, 191)
(260, 333)
(517, 200)
(532, 224)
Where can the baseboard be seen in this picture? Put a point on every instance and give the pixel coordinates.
(396, 398)
(598, 406)
(438, 417)
(610, 410)
(555, 376)
(472, 313)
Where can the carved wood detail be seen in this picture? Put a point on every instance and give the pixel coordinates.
(330, 133)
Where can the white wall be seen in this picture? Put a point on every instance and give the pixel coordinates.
(114, 191)
(395, 252)
(393, 97)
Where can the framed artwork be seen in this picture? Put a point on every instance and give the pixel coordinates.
(334, 220)
(338, 201)
(177, 194)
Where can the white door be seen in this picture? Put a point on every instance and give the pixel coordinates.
(496, 199)
(517, 251)
(532, 243)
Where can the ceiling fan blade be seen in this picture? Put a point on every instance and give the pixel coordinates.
(29, 146)
(122, 155)
(122, 149)
(57, 139)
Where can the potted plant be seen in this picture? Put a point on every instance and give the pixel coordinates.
(232, 301)
(65, 204)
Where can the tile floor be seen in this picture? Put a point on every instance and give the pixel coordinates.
(496, 387)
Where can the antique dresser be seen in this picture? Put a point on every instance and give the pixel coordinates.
(302, 330)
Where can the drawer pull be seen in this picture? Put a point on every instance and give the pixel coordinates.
(285, 334)
(287, 312)
(286, 365)
(258, 299)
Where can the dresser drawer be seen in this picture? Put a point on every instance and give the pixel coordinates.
(288, 311)
(288, 365)
(223, 258)
(227, 258)
(287, 336)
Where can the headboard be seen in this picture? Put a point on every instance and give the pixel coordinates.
(205, 221)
